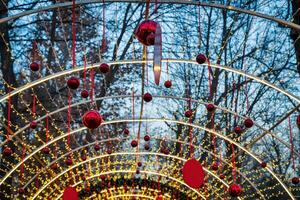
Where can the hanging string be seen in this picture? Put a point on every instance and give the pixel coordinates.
(199, 24)
(34, 106)
(246, 94)
(209, 80)
(156, 7)
(103, 45)
(47, 127)
(92, 80)
(8, 114)
(191, 129)
(214, 136)
(292, 144)
(167, 69)
(73, 34)
(22, 165)
(84, 69)
(133, 109)
(233, 164)
(69, 118)
(147, 9)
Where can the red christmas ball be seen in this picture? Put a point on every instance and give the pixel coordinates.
(102, 177)
(222, 176)
(215, 166)
(126, 132)
(145, 32)
(201, 58)
(83, 178)
(87, 190)
(104, 68)
(134, 143)
(137, 171)
(84, 94)
(109, 151)
(92, 119)
(83, 157)
(248, 123)
(139, 164)
(7, 151)
(168, 84)
(298, 121)
(73, 83)
(46, 150)
(21, 191)
(238, 130)
(188, 113)
(166, 151)
(147, 97)
(193, 173)
(54, 166)
(97, 147)
(33, 125)
(295, 180)
(146, 138)
(147, 147)
(69, 161)
(263, 164)
(210, 107)
(34, 66)
(235, 190)
(159, 197)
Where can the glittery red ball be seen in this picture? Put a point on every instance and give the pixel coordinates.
(215, 166)
(188, 113)
(104, 68)
(21, 191)
(139, 164)
(69, 161)
(83, 178)
(222, 176)
(248, 123)
(295, 180)
(92, 119)
(235, 190)
(298, 121)
(193, 173)
(238, 130)
(97, 147)
(46, 150)
(87, 190)
(33, 124)
(201, 58)
(147, 97)
(83, 157)
(54, 166)
(145, 32)
(263, 164)
(102, 177)
(126, 132)
(146, 138)
(134, 143)
(147, 147)
(7, 151)
(210, 107)
(168, 84)
(166, 151)
(73, 83)
(34, 66)
(84, 94)
(159, 197)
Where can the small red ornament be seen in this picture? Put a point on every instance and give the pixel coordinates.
(145, 32)
(139, 164)
(92, 119)
(146, 138)
(102, 177)
(193, 173)
(215, 166)
(54, 166)
(147, 147)
(263, 164)
(126, 132)
(238, 130)
(33, 125)
(83, 157)
(7, 151)
(147, 97)
(248, 123)
(87, 190)
(69, 161)
(166, 151)
(109, 151)
(46, 150)
(84, 94)
(298, 121)
(134, 143)
(159, 197)
(295, 180)
(168, 84)
(73, 83)
(188, 113)
(83, 178)
(104, 68)
(70, 193)
(97, 147)
(222, 176)
(201, 58)
(137, 171)
(235, 190)
(210, 107)
(21, 191)
(34, 66)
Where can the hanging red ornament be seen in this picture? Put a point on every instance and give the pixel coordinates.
(70, 193)
(134, 143)
(83, 157)
(137, 171)
(147, 97)
(46, 150)
(210, 107)
(109, 151)
(84, 94)
(159, 197)
(34, 66)
(92, 119)
(238, 130)
(146, 138)
(104, 68)
(147, 147)
(7, 151)
(33, 125)
(295, 180)
(69, 161)
(193, 173)
(21, 191)
(126, 132)
(248, 123)
(97, 147)
(139, 164)
(222, 176)
(83, 177)
(73, 83)
(215, 166)
(168, 84)
(201, 58)
(263, 164)
(235, 190)
(166, 151)
(145, 32)
(188, 113)
(298, 121)
(54, 166)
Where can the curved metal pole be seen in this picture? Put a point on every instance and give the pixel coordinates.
(156, 120)
(218, 6)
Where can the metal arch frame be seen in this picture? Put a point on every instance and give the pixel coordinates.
(117, 139)
(155, 96)
(158, 120)
(212, 5)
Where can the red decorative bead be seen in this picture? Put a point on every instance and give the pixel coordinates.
(21, 191)
(248, 123)
(46, 150)
(7, 151)
(210, 107)
(69, 161)
(97, 147)
(295, 180)
(73, 83)
(87, 190)
(263, 164)
(188, 113)
(137, 171)
(102, 177)
(109, 151)
(159, 197)
(147, 97)
(70, 193)
(83, 157)
(92, 119)
(33, 124)
(54, 166)
(222, 176)
(146, 138)
(104, 68)
(168, 84)
(83, 178)
(238, 130)
(84, 94)
(166, 151)
(34, 66)
(193, 173)
(298, 121)
(215, 166)
(134, 143)
(147, 147)
(139, 164)
(201, 58)
(126, 132)
(145, 32)
(235, 190)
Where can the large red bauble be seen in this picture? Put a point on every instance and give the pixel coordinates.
(146, 138)
(145, 32)
(248, 123)
(193, 173)
(147, 97)
(298, 121)
(235, 190)
(134, 143)
(201, 58)
(238, 130)
(188, 113)
(84, 94)
(295, 180)
(168, 84)
(34, 66)
(73, 83)
(7, 151)
(33, 124)
(70, 193)
(92, 119)
(104, 68)
(210, 107)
